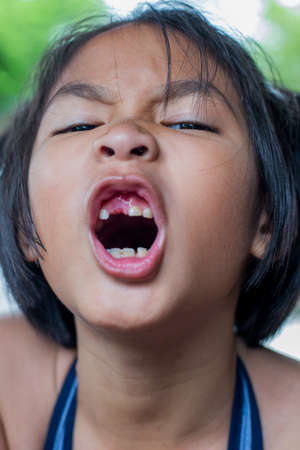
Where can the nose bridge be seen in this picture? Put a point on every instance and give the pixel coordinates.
(126, 140)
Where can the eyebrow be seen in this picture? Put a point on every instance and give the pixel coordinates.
(183, 88)
(93, 92)
(170, 92)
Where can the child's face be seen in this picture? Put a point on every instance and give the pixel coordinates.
(205, 182)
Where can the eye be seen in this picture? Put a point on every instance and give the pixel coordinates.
(190, 125)
(76, 127)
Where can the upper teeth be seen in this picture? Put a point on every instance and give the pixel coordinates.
(147, 213)
(103, 214)
(132, 211)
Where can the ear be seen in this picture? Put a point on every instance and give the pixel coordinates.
(27, 250)
(262, 237)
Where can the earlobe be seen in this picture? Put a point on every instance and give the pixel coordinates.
(261, 238)
(29, 255)
(28, 252)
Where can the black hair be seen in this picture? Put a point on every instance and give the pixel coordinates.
(270, 287)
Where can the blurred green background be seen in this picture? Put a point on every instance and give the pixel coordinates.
(282, 41)
(27, 25)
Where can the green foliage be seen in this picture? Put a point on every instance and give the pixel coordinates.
(25, 29)
(283, 42)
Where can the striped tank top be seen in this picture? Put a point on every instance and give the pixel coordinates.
(245, 427)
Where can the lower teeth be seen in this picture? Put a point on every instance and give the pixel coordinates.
(127, 252)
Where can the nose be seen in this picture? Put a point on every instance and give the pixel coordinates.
(126, 141)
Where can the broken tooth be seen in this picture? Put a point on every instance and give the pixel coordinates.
(148, 214)
(141, 252)
(134, 211)
(104, 214)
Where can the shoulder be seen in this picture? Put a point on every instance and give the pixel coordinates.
(32, 370)
(24, 353)
(276, 382)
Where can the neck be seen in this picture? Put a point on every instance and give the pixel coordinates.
(155, 390)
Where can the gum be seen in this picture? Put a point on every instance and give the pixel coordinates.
(120, 203)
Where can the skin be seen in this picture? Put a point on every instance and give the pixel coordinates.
(146, 347)
(198, 175)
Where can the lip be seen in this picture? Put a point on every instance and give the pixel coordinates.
(133, 268)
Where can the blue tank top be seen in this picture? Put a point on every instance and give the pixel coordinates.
(245, 427)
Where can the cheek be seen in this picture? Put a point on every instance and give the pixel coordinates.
(57, 198)
(54, 197)
(217, 218)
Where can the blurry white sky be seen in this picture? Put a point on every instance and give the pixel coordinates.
(243, 16)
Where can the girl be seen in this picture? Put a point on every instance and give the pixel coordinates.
(149, 233)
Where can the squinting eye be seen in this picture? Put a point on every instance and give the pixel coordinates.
(76, 128)
(192, 126)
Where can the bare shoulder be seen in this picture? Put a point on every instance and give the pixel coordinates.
(24, 353)
(18, 336)
(31, 373)
(276, 382)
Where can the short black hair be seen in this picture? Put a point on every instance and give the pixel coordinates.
(270, 287)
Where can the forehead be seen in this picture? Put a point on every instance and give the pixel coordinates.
(128, 47)
(135, 54)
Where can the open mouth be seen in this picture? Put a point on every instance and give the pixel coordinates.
(128, 230)
(125, 226)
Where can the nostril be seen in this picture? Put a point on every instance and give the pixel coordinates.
(107, 151)
(139, 151)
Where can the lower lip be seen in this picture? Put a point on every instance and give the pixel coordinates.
(132, 268)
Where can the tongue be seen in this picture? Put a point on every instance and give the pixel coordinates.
(120, 203)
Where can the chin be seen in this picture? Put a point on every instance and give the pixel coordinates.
(125, 313)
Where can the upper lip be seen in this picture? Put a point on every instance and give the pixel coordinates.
(130, 183)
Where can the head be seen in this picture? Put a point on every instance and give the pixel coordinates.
(260, 151)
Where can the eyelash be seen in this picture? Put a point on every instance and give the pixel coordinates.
(187, 125)
(190, 125)
(76, 128)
